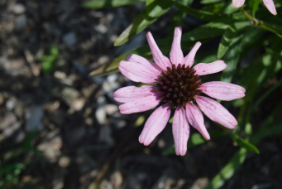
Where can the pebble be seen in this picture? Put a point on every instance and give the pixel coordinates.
(17, 8)
(33, 116)
(70, 39)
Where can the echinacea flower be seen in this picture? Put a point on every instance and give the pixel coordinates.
(177, 85)
(268, 3)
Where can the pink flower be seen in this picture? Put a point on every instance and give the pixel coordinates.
(268, 3)
(177, 85)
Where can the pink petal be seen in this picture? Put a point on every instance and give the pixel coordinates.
(140, 105)
(155, 124)
(238, 3)
(139, 72)
(189, 59)
(223, 91)
(206, 69)
(162, 61)
(139, 59)
(270, 6)
(176, 54)
(132, 93)
(216, 112)
(180, 129)
(196, 119)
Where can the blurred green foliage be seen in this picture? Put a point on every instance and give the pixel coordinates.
(49, 60)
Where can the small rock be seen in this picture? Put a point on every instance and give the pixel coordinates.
(9, 124)
(100, 115)
(101, 112)
(33, 118)
(70, 39)
(17, 8)
(11, 103)
(101, 28)
(21, 22)
(111, 108)
(103, 59)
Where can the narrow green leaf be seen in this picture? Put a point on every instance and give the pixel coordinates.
(245, 144)
(273, 28)
(230, 36)
(254, 6)
(108, 3)
(228, 170)
(148, 2)
(231, 59)
(144, 19)
(200, 14)
(210, 1)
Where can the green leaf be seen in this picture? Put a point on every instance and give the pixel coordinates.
(108, 3)
(254, 6)
(200, 14)
(273, 28)
(230, 36)
(231, 59)
(245, 144)
(228, 170)
(144, 19)
(210, 1)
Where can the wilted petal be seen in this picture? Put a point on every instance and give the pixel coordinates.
(196, 119)
(223, 91)
(140, 105)
(132, 93)
(216, 112)
(180, 129)
(161, 60)
(176, 54)
(238, 3)
(270, 6)
(210, 68)
(139, 59)
(139, 72)
(155, 124)
(189, 59)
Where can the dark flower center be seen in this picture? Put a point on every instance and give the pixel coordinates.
(179, 85)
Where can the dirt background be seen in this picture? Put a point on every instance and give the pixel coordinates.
(64, 126)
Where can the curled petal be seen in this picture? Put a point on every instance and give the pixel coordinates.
(189, 59)
(196, 119)
(176, 54)
(161, 60)
(139, 72)
(206, 69)
(180, 129)
(223, 91)
(139, 59)
(155, 124)
(140, 105)
(238, 3)
(132, 93)
(270, 6)
(216, 112)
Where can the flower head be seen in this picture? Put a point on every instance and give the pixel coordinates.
(177, 86)
(268, 3)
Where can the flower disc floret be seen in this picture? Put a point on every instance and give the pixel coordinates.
(179, 85)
